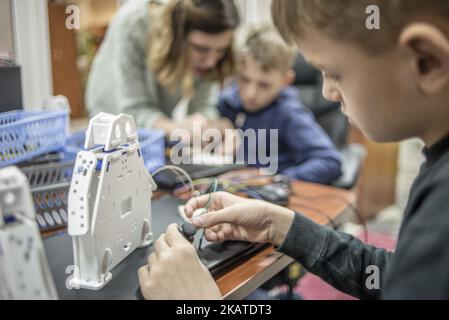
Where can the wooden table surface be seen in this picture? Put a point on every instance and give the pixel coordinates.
(319, 203)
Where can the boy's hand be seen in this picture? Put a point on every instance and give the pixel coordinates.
(234, 218)
(174, 271)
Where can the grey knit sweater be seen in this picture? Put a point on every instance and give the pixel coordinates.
(120, 81)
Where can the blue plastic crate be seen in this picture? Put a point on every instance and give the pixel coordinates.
(28, 134)
(152, 147)
(49, 186)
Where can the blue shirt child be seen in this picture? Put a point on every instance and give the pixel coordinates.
(305, 152)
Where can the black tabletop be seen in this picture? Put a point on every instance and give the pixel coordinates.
(124, 284)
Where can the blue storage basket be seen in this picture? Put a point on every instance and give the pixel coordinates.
(28, 134)
(49, 186)
(152, 147)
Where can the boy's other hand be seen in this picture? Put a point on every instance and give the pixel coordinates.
(174, 271)
(234, 218)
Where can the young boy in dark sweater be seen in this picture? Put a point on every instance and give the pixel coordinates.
(262, 99)
(393, 83)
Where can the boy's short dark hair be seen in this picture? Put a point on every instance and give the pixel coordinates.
(267, 47)
(346, 19)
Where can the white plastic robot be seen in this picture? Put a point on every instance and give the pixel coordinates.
(109, 201)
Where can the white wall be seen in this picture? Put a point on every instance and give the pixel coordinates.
(252, 12)
(257, 11)
(6, 42)
(32, 50)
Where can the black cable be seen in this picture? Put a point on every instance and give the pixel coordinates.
(212, 189)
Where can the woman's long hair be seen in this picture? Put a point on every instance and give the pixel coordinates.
(169, 27)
